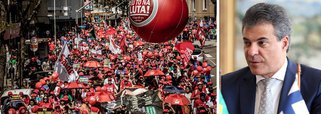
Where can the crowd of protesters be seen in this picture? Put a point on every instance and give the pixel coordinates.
(104, 61)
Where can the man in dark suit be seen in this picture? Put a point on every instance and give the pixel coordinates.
(266, 35)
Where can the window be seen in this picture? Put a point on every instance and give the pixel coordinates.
(193, 5)
(205, 4)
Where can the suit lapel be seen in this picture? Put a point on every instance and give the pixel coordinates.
(287, 84)
(247, 94)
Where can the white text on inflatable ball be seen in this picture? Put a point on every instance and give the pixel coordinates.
(140, 8)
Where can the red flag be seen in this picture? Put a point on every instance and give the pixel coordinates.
(123, 44)
(186, 49)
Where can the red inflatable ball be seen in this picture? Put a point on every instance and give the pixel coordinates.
(204, 64)
(38, 85)
(199, 69)
(34, 109)
(144, 52)
(168, 78)
(158, 20)
(11, 111)
(22, 110)
(55, 75)
(127, 58)
(46, 78)
(209, 68)
(156, 54)
(195, 72)
(42, 81)
(205, 69)
(150, 54)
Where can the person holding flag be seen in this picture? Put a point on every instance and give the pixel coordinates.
(272, 83)
(65, 70)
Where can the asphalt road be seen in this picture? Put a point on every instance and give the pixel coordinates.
(210, 55)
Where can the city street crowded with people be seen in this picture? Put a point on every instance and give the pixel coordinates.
(108, 57)
(105, 69)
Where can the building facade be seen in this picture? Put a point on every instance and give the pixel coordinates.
(201, 8)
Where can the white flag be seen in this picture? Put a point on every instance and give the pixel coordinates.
(113, 47)
(61, 70)
(65, 50)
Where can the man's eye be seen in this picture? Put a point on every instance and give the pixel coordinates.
(262, 43)
(247, 43)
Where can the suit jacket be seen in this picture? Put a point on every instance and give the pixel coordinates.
(239, 88)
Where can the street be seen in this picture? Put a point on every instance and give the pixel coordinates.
(107, 57)
(210, 55)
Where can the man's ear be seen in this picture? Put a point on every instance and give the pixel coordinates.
(285, 43)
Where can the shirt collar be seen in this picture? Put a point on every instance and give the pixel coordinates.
(280, 74)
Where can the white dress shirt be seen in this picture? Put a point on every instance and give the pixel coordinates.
(276, 89)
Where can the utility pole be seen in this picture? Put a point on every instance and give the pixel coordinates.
(21, 61)
(55, 29)
(20, 64)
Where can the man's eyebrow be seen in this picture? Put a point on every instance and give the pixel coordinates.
(245, 39)
(262, 38)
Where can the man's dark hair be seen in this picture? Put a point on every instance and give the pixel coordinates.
(268, 13)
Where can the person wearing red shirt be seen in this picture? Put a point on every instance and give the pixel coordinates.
(52, 98)
(24, 98)
(198, 90)
(51, 46)
(45, 103)
(111, 87)
(200, 104)
(125, 84)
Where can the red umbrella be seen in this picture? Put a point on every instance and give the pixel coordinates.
(177, 99)
(105, 97)
(184, 46)
(75, 85)
(154, 73)
(92, 64)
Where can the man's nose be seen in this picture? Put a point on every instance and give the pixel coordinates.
(252, 50)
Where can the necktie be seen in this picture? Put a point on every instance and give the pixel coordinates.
(266, 105)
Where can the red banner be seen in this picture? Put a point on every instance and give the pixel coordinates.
(186, 55)
(185, 49)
